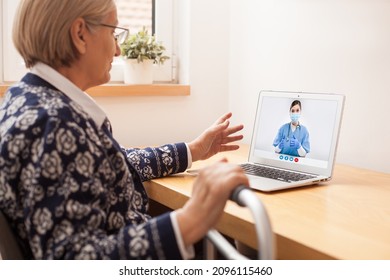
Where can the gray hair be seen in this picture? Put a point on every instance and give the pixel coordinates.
(41, 30)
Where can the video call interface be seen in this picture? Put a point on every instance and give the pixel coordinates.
(313, 133)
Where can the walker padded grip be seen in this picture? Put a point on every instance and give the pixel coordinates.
(236, 192)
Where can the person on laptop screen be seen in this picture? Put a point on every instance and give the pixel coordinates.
(293, 138)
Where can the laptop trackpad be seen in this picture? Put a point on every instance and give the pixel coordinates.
(266, 184)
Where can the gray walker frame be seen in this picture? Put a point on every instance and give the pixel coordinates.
(215, 242)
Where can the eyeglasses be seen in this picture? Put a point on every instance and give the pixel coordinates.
(121, 33)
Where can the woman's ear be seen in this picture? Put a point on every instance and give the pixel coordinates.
(78, 33)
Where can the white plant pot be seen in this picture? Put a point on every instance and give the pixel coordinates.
(138, 73)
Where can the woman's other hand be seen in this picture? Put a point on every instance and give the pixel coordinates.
(217, 138)
(211, 190)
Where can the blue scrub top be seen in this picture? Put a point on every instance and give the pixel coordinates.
(285, 134)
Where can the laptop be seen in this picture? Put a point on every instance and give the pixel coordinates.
(294, 139)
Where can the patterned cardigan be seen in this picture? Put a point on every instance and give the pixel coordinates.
(69, 190)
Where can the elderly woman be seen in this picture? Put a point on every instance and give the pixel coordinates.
(69, 190)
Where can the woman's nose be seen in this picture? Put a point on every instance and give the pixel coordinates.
(117, 50)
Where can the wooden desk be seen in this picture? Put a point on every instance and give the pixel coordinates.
(346, 218)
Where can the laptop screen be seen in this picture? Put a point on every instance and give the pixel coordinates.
(297, 131)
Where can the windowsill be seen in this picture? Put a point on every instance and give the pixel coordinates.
(130, 90)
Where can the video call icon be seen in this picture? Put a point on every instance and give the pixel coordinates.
(288, 158)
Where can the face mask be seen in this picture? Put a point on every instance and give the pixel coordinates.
(294, 117)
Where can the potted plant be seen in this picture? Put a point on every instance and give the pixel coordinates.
(140, 52)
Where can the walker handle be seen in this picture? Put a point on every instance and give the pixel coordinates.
(244, 196)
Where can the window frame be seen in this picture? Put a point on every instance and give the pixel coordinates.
(12, 67)
(1, 45)
(10, 58)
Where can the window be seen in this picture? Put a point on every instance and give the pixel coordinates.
(12, 64)
(157, 16)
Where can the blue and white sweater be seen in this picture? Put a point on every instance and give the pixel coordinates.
(69, 190)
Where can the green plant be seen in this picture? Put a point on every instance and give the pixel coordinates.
(142, 46)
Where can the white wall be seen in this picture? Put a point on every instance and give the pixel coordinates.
(1, 44)
(340, 46)
(204, 63)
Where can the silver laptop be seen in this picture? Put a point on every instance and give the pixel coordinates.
(294, 139)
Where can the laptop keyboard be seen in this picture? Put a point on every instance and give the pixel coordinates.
(272, 173)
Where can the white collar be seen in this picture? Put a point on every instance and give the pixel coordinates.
(71, 90)
(293, 127)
